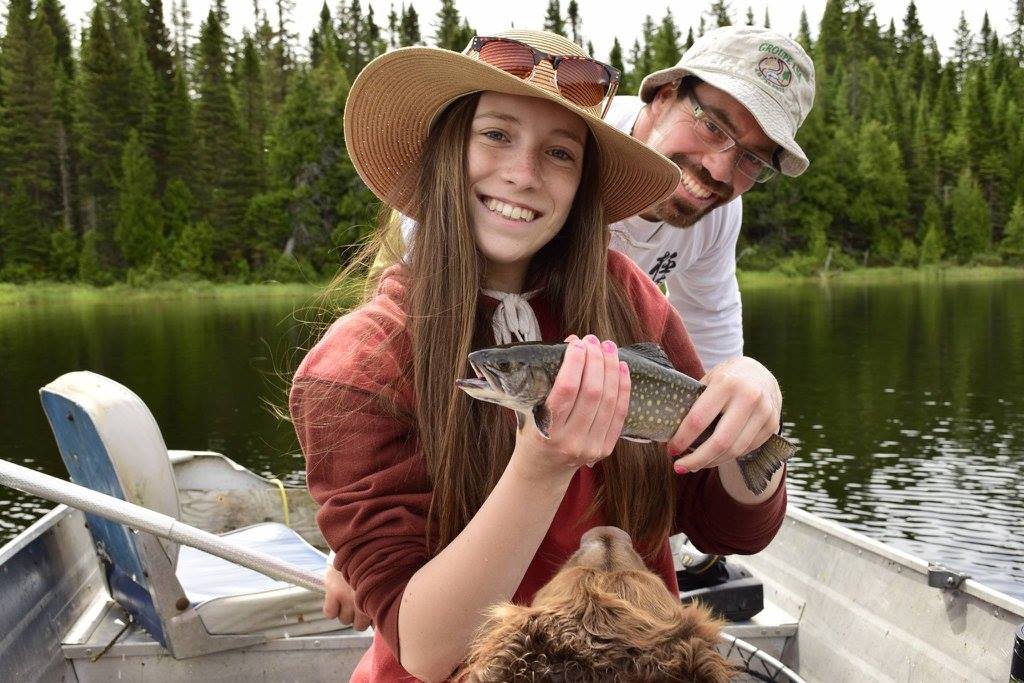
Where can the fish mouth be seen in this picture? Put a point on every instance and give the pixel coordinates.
(472, 383)
(484, 380)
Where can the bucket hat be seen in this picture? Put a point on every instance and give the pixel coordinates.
(769, 74)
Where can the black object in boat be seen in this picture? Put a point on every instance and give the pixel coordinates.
(726, 589)
(1017, 659)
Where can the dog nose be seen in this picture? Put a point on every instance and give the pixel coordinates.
(613, 534)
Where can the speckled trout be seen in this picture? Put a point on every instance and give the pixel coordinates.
(520, 376)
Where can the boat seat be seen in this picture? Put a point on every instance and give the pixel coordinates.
(190, 602)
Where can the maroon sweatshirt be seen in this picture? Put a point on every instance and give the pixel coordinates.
(366, 471)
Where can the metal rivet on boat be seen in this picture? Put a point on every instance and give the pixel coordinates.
(71, 417)
(182, 604)
(316, 643)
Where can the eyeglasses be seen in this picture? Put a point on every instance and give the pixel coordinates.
(583, 81)
(717, 140)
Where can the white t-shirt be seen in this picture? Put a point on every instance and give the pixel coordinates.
(697, 265)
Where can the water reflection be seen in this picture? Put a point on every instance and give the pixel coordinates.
(205, 368)
(907, 400)
(907, 403)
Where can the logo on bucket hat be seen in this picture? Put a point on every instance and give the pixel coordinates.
(775, 72)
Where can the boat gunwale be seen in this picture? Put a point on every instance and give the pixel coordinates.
(888, 551)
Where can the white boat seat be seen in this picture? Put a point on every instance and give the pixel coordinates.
(189, 602)
(232, 599)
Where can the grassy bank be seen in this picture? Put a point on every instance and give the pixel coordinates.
(53, 292)
(882, 276)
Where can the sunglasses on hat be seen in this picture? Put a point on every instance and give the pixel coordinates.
(583, 81)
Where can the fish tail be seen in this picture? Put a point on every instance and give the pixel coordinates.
(758, 466)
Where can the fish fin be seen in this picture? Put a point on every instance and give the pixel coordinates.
(542, 418)
(758, 466)
(635, 439)
(651, 352)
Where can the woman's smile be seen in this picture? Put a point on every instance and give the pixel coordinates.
(513, 212)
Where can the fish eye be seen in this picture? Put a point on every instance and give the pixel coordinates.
(505, 366)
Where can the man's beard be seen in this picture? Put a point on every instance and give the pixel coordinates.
(677, 213)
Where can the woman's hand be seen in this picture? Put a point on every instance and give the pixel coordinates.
(748, 398)
(340, 601)
(588, 404)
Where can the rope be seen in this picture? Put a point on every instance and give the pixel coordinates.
(284, 500)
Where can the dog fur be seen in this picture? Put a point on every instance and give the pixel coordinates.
(603, 618)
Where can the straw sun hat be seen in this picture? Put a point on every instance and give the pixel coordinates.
(396, 97)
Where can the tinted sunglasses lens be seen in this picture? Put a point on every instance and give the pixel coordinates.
(582, 81)
(514, 58)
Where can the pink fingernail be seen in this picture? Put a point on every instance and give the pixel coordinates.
(591, 339)
(608, 346)
(680, 469)
(623, 368)
(674, 452)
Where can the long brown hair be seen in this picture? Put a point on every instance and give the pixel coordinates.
(467, 444)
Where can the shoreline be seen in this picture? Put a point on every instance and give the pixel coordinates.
(882, 276)
(71, 292)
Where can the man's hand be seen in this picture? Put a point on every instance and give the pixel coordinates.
(340, 601)
(748, 398)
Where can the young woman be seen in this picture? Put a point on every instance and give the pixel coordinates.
(436, 505)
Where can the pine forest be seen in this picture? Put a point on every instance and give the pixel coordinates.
(141, 151)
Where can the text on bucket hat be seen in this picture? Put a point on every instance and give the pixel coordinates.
(394, 100)
(769, 74)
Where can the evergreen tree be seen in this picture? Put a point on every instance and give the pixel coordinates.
(177, 209)
(719, 13)
(972, 228)
(553, 18)
(963, 48)
(29, 190)
(63, 256)
(91, 268)
(180, 133)
(450, 30)
(689, 39)
(224, 169)
(157, 42)
(750, 15)
(278, 56)
(105, 109)
(803, 36)
(572, 16)
(946, 107)
(409, 30)
(1016, 37)
(139, 233)
(393, 28)
(768, 21)
(642, 58)
(1012, 244)
(372, 42)
(665, 47)
(309, 163)
(985, 46)
(253, 106)
(830, 47)
(317, 37)
(351, 41)
(933, 242)
(879, 209)
(52, 13)
(615, 59)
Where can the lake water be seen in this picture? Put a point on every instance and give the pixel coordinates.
(907, 400)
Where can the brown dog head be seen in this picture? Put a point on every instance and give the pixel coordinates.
(603, 617)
